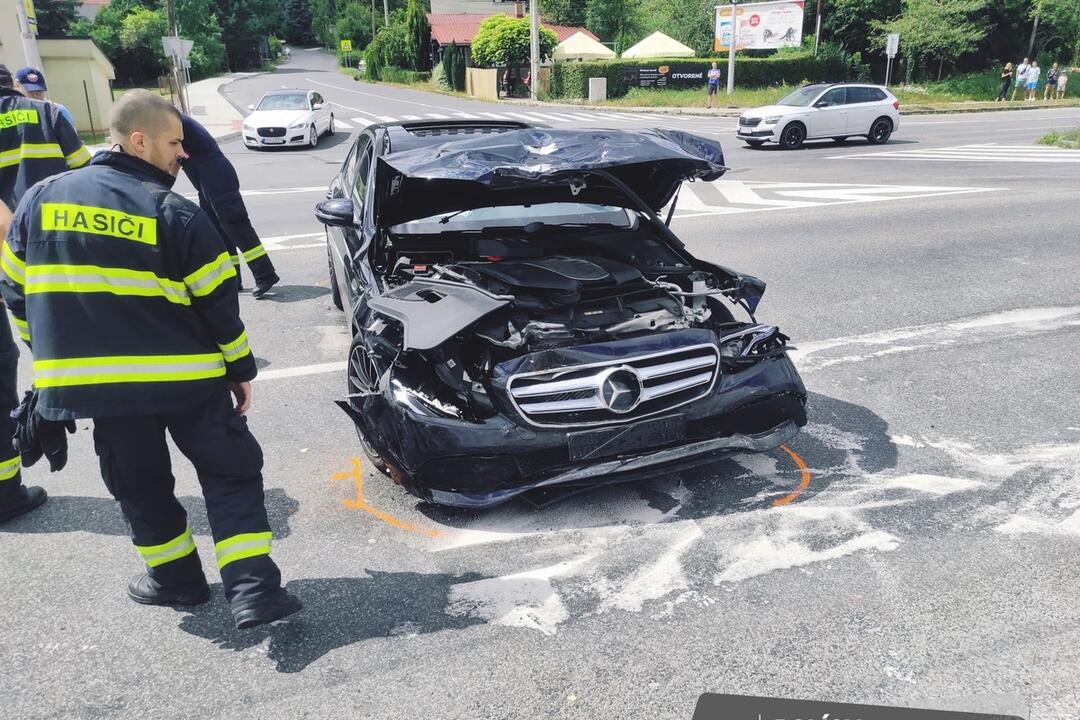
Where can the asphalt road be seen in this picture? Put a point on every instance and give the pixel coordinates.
(931, 288)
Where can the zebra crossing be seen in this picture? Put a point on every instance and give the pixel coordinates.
(987, 152)
(728, 197)
(363, 118)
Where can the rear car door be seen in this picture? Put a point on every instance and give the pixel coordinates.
(341, 239)
(829, 117)
(862, 110)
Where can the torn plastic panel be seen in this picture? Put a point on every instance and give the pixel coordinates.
(433, 311)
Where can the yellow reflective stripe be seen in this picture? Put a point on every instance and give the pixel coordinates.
(254, 253)
(242, 546)
(68, 372)
(237, 349)
(22, 327)
(235, 259)
(180, 546)
(12, 266)
(94, 278)
(68, 217)
(30, 151)
(206, 279)
(21, 116)
(78, 158)
(9, 468)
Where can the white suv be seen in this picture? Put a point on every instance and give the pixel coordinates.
(813, 112)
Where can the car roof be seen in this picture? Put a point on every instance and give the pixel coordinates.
(295, 91)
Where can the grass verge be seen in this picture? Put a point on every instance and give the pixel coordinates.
(1063, 139)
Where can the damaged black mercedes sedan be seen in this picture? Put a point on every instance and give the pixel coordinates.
(522, 316)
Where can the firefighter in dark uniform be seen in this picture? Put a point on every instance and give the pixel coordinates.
(36, 142)
(219, 195)
(130, 302)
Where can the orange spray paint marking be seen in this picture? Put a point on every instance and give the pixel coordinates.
(803, 484)
(357, 474)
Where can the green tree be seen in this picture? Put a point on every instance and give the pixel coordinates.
(298, 22)
(611, 19)
(419, 35)
(388, 49)
(54, 17)
(245, 24)
(1064, 17)
(564, 12)
(850, 22)
(196, 21)
(940, 30)
(504, 41)
(323, 17)
(354, 24)
(140, 35)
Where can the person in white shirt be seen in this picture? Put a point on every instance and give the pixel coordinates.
(1032, 79)
(1021, 78)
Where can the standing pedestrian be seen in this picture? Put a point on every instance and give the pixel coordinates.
(215, 179)
(1021, 79)
(1033, 74)
(31, 83)
(1051, 82)
(1006, 81)
(714, 84)
(130, 299)
(1062, 83)
(36, 142)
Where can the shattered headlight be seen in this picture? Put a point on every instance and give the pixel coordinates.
(750, 344)
(422, 403)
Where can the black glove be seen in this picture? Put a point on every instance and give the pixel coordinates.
(36, 436)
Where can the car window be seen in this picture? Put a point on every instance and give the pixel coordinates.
(858, 95)
(349, 166)
(876, 95)
(362, 170)
(316, 98)
(801, 97)
(836, 96)
(297, 101)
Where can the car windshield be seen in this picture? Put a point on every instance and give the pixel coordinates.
(518, 216)
(297, 101)
(802, 97)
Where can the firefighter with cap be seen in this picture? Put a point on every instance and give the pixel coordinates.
(219, 195)
(131, 306)
(36, 142)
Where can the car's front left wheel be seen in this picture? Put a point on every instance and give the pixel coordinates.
(793, 136)
(330, 127)
(313, 136)
(360, 382)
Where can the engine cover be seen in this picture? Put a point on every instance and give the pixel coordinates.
(559, 279)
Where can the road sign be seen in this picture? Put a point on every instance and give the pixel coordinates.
(177, 47)
(346, 46)
(892, 44)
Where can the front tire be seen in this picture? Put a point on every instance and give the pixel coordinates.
(358, 368)
(880, 131)
(793, 136)
(330, 127)
(313, 137)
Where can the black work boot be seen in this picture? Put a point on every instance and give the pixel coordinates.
(265, 609)
(263, 286)
(144, 589)
(28, 499)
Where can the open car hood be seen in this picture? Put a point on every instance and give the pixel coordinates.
(542, 165)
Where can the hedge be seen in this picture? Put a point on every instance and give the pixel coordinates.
(404, 77)
(571, 79)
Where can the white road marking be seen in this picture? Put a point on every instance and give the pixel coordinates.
(527, 117)
(466, 115)
(342, 124)
(437, 116)
(496, 116)
(553, 118)
(273, 242)
(386, 118)
(381, 98)
(361, 122)
(411, 117)
(974, 153)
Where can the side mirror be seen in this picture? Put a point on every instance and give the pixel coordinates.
(317, 106)
(251, 107)
(338, 212)
(822, 104)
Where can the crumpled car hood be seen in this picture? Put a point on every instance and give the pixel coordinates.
(540, 165)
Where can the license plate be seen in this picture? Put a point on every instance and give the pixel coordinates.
(273, 141)
(743, 132)
(608, 442)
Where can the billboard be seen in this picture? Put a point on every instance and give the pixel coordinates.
(760, 26)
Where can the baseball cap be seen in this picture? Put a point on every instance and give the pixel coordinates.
(31, 79)
(5, 76)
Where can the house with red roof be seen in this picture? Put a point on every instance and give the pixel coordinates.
(461, 28)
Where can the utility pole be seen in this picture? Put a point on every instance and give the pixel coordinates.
(178, 77)
(817, 31)
(1031, 42)
(534, 48)
(386, 12)
(731, 47)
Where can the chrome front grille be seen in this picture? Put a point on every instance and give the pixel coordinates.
(271, 132)
(615, 391)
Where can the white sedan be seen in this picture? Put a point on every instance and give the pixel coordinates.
(813, 112)
(288, 118)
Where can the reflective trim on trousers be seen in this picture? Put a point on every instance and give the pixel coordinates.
(254, 253)
(9, 468)
(179, 547)
(239, 547)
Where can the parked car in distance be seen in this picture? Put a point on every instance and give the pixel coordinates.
(822, 111)
(522, 317)
(284, 118)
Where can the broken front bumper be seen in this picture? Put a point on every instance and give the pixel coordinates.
(479, 464)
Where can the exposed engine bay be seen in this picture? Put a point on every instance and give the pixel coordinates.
(454, 308)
